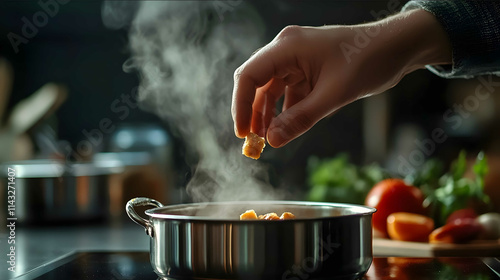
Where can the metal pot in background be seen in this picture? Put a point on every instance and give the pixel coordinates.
(51, 191)
(147, 150)
(208, 241)
(142, 175)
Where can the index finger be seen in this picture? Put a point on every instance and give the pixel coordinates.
(254, 73)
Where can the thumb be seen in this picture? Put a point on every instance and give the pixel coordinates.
(299, 118)
(292, 123)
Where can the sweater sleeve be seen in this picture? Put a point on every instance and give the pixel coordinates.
(473, 28)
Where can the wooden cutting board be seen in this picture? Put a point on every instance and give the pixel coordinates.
(387, 247)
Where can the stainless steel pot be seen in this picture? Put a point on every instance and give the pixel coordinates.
(208, 241)
(51, 191)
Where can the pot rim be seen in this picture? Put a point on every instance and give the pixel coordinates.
(359, 210)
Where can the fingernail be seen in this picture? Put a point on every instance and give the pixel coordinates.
(236, 131)
(275, 137)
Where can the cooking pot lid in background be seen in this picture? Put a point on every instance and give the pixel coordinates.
(47, 168)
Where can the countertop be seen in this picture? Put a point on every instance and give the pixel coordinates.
(36, 246)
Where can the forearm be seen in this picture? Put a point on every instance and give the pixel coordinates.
(399, 44)
(414, 38)
(473, 28)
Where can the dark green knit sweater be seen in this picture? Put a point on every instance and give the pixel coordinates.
(474, 31)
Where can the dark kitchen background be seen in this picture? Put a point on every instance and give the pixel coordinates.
(84, 146)
(75, 49)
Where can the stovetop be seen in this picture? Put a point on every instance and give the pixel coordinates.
(136, 266)
(96, 265)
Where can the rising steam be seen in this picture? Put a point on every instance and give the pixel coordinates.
(186, 53)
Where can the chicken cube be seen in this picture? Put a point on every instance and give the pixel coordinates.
(249, 215)
(269, 217)
(253, 146)
(287, 216)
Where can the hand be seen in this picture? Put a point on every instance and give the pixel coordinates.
(321, 69)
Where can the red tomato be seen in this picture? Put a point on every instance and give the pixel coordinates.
(467, 213)
(460, 231)
(391, 196)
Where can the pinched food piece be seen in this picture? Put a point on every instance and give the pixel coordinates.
(249, 215)
(269, 217)
(253, 146)
(287, 216)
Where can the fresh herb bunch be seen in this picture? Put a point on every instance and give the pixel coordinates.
(338, 180)
(448, 192)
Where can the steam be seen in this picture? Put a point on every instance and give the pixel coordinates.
(186, 53)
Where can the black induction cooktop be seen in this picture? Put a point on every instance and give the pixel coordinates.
(136, 266)
(96, 265)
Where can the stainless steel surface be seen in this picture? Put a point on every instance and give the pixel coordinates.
(52, 191)
(37, 246)
(208, 240)
(141, 201)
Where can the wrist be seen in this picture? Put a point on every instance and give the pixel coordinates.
(417, 39)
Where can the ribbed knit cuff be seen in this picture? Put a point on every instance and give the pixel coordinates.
(473, 28)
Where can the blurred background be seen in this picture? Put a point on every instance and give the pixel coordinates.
(91, 113)
(82, 144)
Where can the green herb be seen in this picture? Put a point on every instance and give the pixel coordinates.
(427, 177)
(338, 180)
(452, 191)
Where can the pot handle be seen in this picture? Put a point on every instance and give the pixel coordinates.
(141, 201)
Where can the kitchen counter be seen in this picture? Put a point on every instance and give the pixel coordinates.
(36, 245)
(135, 265)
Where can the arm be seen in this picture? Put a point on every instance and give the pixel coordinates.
(321, 69)
(473, 28)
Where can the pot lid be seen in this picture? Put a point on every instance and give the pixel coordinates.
(47, 168)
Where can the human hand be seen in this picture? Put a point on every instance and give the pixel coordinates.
(321, 69)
